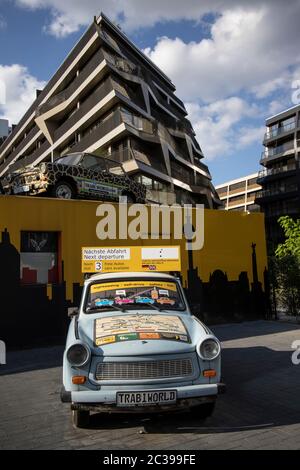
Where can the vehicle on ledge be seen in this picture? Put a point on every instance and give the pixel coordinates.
(138, 358)
(77, 175)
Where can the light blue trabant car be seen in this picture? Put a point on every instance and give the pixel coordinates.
(138, 357)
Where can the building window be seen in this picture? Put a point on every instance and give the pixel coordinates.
(237, 200)
(235, 186)
(252, 181)
(40, 257)
(222, 191)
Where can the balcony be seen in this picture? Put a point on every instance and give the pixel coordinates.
(99, 94)
(139, 123)
(237, 202)
(273, 133)
(262, 174)
(123, 65)
(30, 159)
(99, 130)
(30, 136)
(281, 191)
(271, 152)
(73, 86)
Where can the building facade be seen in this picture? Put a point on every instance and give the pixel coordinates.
(240, 194)
(109, 98)
(280, 178)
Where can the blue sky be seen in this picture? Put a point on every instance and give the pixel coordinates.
(233, 64)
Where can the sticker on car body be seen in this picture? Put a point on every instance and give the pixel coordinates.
(143, 327)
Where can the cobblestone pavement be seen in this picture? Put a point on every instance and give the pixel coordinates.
(261, 409)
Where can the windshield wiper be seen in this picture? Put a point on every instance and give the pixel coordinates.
(98, 309)
(153, 306)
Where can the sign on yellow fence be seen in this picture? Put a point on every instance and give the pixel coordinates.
(130, 259)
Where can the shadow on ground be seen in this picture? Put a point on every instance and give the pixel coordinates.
(32, 359)
(253, 400)
(232, 331)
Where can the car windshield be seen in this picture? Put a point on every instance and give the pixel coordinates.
(93, 162)
(72, 159)
(134, 294)
(99, 163)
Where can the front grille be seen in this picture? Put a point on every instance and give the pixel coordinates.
(161, 369)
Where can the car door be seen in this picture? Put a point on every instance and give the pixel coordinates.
(98, 181)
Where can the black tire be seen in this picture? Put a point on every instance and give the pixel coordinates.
(131, 199)
(63, 190)
(203, 411)
(80, 418)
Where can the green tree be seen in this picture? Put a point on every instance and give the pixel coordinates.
(287, 261)
(291, 246)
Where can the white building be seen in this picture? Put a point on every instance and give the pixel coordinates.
(239, 194)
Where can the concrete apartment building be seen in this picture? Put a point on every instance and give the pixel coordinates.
(280, 178)
(109, 98)
(239, 194)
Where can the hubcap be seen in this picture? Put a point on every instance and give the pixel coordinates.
(63, 192)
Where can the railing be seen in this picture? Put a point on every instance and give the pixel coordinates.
(275, 171)
(19, 148)
(121, 64)
(271, 133)
(137, 122)
(287, 210)
(148, 157)
(104, 89)
(65, 94)
(186, 175)
(276, 191)
(271, 151)
(236, 202)
(98, 131)
(30, 159)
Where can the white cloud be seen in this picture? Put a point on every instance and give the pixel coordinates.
(251, 50)
(245, 51)
(217, 126)
(248, 135)
(3, 23)
(20, 91)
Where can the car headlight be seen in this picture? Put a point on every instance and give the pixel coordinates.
(78, 354)
(209, 349)
(43, 167)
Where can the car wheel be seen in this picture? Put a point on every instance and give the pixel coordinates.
(130, 198)
(64, 190)
(80, 418)
(203, 411)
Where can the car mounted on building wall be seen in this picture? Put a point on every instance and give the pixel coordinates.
(79, 175)
(138, 357)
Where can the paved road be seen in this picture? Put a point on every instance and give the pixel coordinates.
(261, 409)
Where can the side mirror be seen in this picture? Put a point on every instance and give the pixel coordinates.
(72, 312)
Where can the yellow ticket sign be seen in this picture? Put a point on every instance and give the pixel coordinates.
(130, 259)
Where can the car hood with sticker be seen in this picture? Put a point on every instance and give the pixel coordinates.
(136, 332)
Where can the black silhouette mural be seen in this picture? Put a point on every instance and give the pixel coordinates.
(30, 318)
(220, 299)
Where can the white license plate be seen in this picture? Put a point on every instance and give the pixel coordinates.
(21, 189)
(147, 398)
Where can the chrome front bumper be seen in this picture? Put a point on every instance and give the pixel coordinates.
(187, 397)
